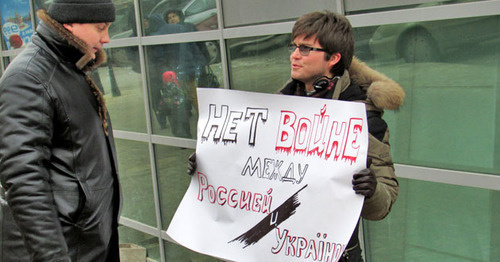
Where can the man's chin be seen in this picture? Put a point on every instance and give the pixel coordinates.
(295, 76)
(94, 52)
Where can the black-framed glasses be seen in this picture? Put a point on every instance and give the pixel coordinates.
(303, 49)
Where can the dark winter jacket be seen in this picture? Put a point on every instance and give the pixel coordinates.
(60, 195)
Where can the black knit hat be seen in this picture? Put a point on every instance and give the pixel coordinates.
(82, 11)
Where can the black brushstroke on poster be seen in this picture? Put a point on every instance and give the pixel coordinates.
(271, 221)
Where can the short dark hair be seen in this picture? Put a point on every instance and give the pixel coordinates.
(333, 32)
(178, 12)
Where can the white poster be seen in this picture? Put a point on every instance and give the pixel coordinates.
(274, 177)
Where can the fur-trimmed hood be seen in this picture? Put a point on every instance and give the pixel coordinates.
(86, 59)
(382, 91)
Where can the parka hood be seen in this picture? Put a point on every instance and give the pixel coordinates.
(382, 91)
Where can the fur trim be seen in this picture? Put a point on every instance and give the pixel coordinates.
(100, 56)
(85, 63)
(382, 91)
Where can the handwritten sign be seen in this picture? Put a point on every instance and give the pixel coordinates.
(274, 177)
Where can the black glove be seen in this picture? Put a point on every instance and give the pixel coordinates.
(191, 164)
(365, 182)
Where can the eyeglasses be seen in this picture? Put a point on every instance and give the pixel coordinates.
(303, 49)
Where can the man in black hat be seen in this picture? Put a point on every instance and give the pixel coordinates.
(60, 196)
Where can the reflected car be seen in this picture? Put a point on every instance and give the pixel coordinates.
(430, 41)
(245, 46)
(362, 36)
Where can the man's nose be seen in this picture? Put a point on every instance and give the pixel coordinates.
(295, 53)
(105, 38)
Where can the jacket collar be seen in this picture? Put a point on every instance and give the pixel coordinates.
(67, 45)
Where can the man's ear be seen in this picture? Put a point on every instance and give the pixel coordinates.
(334, 59)
(69, 27)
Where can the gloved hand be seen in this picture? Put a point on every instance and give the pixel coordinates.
(191, 164)
(365, 182)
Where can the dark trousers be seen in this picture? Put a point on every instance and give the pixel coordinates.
(352, 254)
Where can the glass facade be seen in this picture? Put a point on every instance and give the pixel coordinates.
(358, 6)
(445, 54)
(436, 222)
(120, 81)
(136, 183)
(449, 70)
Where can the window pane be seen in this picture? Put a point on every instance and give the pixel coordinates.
(359, 6)
(362, 36)
(174, 73)
(449, 70)
(121, 81)
(124, 24)
(41, 4)
(17, 27)
(243, 12)
(437, 222)
(6, 61)
(173, 181)
(185, 16)
(149, 242)
(171, 163)
(135, 179)
(174, 252)
(259, 64)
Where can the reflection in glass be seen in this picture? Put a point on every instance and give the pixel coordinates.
(120, 81)
(149, 242)
(174, 252)
(449, 70)
(259, 64)
(357, 7)
(174, 73)
(362, 36)
(136, 183)
(16, 24)
(432, 41)
(124, 24)
(173, 181)
(6, 61)
(40, 4)
(171, 164)
(191, 15)
(437, 222)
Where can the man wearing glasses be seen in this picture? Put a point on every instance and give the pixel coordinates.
(323, 66)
